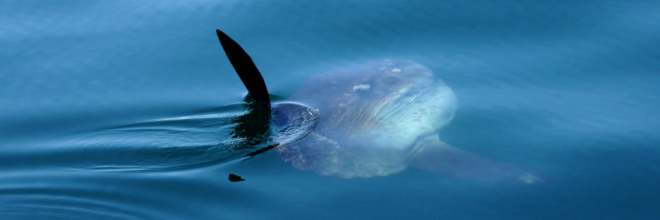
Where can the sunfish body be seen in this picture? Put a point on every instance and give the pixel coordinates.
(372, 119)
(380, 117)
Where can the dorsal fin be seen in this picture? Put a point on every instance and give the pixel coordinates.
(246, 69)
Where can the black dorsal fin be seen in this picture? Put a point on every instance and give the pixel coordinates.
(246, 69)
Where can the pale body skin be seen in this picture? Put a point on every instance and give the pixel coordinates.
(380, 117)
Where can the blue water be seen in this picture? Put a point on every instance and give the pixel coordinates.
(125, 109)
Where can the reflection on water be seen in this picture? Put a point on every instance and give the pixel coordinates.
(168, 143)
(204, 138)
(96, 102)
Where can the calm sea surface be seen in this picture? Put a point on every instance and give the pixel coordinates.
(126, 109)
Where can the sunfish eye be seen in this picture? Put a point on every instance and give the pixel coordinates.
(391, 80)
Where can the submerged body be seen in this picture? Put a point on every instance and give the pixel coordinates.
(379, 117)
(371, 116)
(366, 120)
